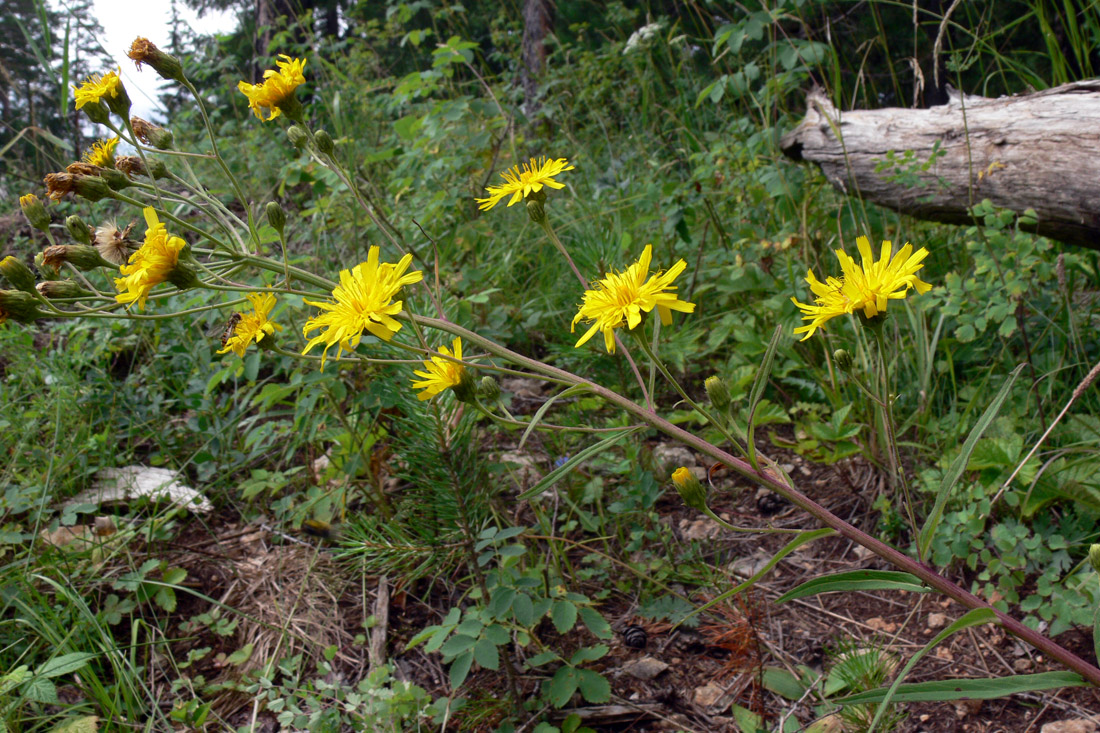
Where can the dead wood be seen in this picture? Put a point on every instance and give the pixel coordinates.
(1038, 151)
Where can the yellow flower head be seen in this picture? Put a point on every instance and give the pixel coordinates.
(364, 302)
(520, 184)
(151, 265)
(620, 299)
(252, 327)
(442, 374)
(97, 87)
(867, 288)
(102, 153)
(276, 88)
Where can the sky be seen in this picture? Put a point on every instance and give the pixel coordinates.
(125, 20)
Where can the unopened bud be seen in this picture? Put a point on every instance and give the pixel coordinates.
(78, 230)
(1094, 557)
(119, 102)
(144, 52)
(718, 392)
(18, 274)
(151, 134)
(81, 256)
(843, 360)
(35, 212)
(54, 289)
(297, 136)
(488, 389)
(324, 142)
(276, 217)
(19, 306)
(691, 489)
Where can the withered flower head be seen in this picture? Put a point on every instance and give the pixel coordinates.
(81, 256)
(59, 184)
(53, 289)
(18, 306)
(114, 245)
(90, 187)
(143, 51)
(151, 134)
(80, 168)
(131, 165)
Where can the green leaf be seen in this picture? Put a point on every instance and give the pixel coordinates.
(497, 634)
(562, 686)
(460, 669)
(65, 664)
(457, 644)
(174, 576)
(523, 610)
(951, 477)
(486, 654)
(41, 690)
(594, 687)
(501, 601)
(856, 580)
(802, 539)
(596, 623)
(783, 683)
(589, 654)
(564, 616)
(576, 389)
(240, 656)
(540, 659)
(559, 473)
(757, 392)
(970, 689)
(973, 617)
(165, 598)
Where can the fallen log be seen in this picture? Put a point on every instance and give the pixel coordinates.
(1037, 151)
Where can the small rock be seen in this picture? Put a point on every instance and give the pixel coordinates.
(746, 567)
(937, 620)
(522, 468)
(670, 456)
(1069, 726)
(709, 695)
(944, 653)
(879, 624)
(1022, 665)
(699, 529)
(645, 668)
(966, 708)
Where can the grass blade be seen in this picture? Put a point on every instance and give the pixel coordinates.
(856, 580)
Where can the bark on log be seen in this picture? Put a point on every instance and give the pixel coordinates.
(1036, 151)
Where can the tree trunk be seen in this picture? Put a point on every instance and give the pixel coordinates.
(538, 17)
(1037, 151)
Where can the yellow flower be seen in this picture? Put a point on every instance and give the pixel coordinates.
(442, 374)
(276, 88)
(522, 183)
(252, 326)
(151, 265)
(96, 87)
(102, 153)
(364, 302)
(620, 298)
(867, 288)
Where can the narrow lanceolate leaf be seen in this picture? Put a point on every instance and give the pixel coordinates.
(790, 547)
(959, 464)
(757, 392)
(559, 473)
(970, 689)
(574, 390)
(856, 580)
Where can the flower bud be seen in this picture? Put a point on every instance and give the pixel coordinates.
(81, 256)
(297, 136)
(151, 134)
(97, 112)
(119, 102)
(144, 52)
(718, 392)
(691, 489)
(1094, 557)
(18, 274)
(843, 360)
(324, 142)
(115, 180)
(19, 306)
(48, 272)
(54, 289)
(78, 230)
(35, 212)
(183, 276)
(488, 389)
(535, 208)
(276, 217)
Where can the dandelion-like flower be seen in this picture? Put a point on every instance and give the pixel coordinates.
(252, 327)
(276, 88)
(102, 153)
(442, 374)
(98, 86)
(364, 302)
(867, 288)
(619, 299)
(152, 264)
(521, 183)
